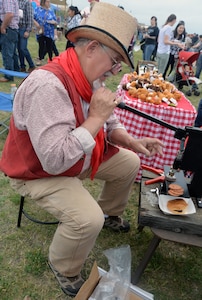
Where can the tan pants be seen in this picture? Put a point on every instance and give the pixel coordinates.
(80, 216)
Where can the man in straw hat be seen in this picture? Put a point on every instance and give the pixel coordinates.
(63, 130)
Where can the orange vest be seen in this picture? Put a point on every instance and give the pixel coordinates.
(19, 159)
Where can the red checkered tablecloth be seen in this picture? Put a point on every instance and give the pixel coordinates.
(182, 115)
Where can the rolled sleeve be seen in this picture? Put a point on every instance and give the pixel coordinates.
(113, 124)
(85, 139)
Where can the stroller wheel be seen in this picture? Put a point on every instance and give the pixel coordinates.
(196, 93)
(188, 93)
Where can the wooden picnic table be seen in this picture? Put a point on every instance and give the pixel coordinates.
(186, 229)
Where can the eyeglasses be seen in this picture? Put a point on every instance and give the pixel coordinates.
(116, 65)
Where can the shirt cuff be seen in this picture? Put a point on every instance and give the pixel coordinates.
(85, 139)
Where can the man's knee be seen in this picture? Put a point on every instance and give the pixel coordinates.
(133, 161)
(96, 223)
(88, 220)
(91, 221)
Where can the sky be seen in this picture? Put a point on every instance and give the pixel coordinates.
(189, 11)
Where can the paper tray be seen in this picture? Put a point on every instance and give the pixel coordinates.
(163, 200)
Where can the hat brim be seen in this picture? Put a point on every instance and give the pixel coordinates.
(104, 37)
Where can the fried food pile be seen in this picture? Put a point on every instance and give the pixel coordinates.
(152, 88)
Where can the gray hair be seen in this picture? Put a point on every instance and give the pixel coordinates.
(82, 42)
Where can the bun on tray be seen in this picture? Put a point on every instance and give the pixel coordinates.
(177, 206)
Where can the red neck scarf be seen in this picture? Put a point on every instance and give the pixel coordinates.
(70, 63)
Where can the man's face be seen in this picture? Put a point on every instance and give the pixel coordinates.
(113, 62)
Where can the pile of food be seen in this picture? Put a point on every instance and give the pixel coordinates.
(152, 88)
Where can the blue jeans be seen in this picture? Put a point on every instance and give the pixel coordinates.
(8, 43)
(199, 66)
(148, 50)
(22, 49)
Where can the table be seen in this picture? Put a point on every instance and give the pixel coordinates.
(150, 215)
(182, 115)
(180, 229)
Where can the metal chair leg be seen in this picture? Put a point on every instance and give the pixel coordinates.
(22, 199)
(22, 211)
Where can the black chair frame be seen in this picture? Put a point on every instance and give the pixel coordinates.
(23, 212)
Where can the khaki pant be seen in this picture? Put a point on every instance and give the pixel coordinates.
(81, 217)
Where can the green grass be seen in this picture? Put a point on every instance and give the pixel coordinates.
(174, 272)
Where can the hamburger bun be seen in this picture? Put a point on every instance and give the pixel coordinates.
(177, 206)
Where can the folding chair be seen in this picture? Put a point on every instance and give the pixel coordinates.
(5, 106)
(28, 216)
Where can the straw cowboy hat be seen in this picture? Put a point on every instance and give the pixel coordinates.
(109, 25)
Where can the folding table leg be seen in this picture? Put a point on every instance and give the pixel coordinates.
(143, 264)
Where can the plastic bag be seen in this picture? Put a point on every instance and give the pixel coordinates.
(115, 284)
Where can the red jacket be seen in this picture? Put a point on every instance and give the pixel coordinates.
(19, 159)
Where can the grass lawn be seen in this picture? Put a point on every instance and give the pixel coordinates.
(174, 272)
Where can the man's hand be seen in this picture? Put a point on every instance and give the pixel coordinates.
(148, 146)
(6, 22)
(26, 34)
(101, 107)
(102, 104)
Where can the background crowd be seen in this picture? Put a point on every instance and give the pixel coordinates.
(159, 44)
(168, 41)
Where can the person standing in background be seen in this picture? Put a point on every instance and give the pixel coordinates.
(198, 46)
(151, 37)
(188, 42)
(25, 27)
(55, 50)
(45, 21)
(178, 36)
(9, 16)
(164, 43)
(73, 20)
